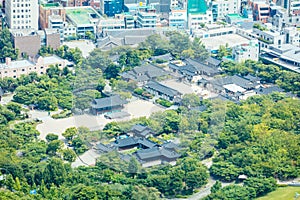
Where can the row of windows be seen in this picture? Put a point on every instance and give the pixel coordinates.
(16, 76)
(21, 16)
(20, 11)
(21, 22)
(21, 27)
(23, 70)
(20, 1)
(21, 5)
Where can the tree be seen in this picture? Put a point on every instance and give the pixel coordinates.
(6, 46)
(55, 172)
(47, 102)
(51, 136)
(133, 167)
(112, 129)
(98, 59)
(171, 121)
(142, 193)
(223, 51)
(224, 171)
(216, 187)
(112, 71)
(15, 107)
(262, 186)
(156, 44)
(54, 146)
(83, 192)
(70, 133)
(199, 51)
(69, 155)
(101, 85)
(179, 42)
(190, 100)
(232, 192)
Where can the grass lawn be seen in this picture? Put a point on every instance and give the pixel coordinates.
(282, 193)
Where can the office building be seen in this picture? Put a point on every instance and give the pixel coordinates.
(221, 8)
(178, 19)
(147, 17)
(111, 7)
(22, 14)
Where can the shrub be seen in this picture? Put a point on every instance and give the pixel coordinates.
(164, 102)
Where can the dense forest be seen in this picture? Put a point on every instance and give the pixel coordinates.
(259, 139)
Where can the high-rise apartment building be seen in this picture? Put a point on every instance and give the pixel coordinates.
(22, 14)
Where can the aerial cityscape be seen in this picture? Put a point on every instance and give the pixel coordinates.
(150, 99)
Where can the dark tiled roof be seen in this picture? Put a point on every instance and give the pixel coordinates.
(147, 143)
(166, 57)
(200, 108)
(162, 88)
(238, 80)
(269, 90)
(144, 73)
(148, 153)
(156, 152)
(213, 61)
(138, 127)
(126, 142)
(170, 145)
(103, 147)
(251, 78)
(202, 67)
(108, 102)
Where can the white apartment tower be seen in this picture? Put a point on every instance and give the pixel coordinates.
(22, 14)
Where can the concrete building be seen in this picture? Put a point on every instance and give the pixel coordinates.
(178, 19)
(22, 14)
(15, 69)
(29, 41)
(129, 21)
(85, 19)
(282, 19)
(95, 4)
(213, 30)
(48, 10)
(269, 37)
(285, 55)
(221, 8)
(147, 18)
(161, 6)
(261, 12)
(247, 51)
(197, 20)
(116, 23)
(292, 6)
(237, 19)
(53, 38)
(111, 7)
(292, 36)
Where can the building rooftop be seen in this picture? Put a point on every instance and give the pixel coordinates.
(108, 102)
(230, 39)
(51, 5)
(17, 64)
(82, 15)
(234, 88)
(235, 16)
(162, 88)
(52, 59)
